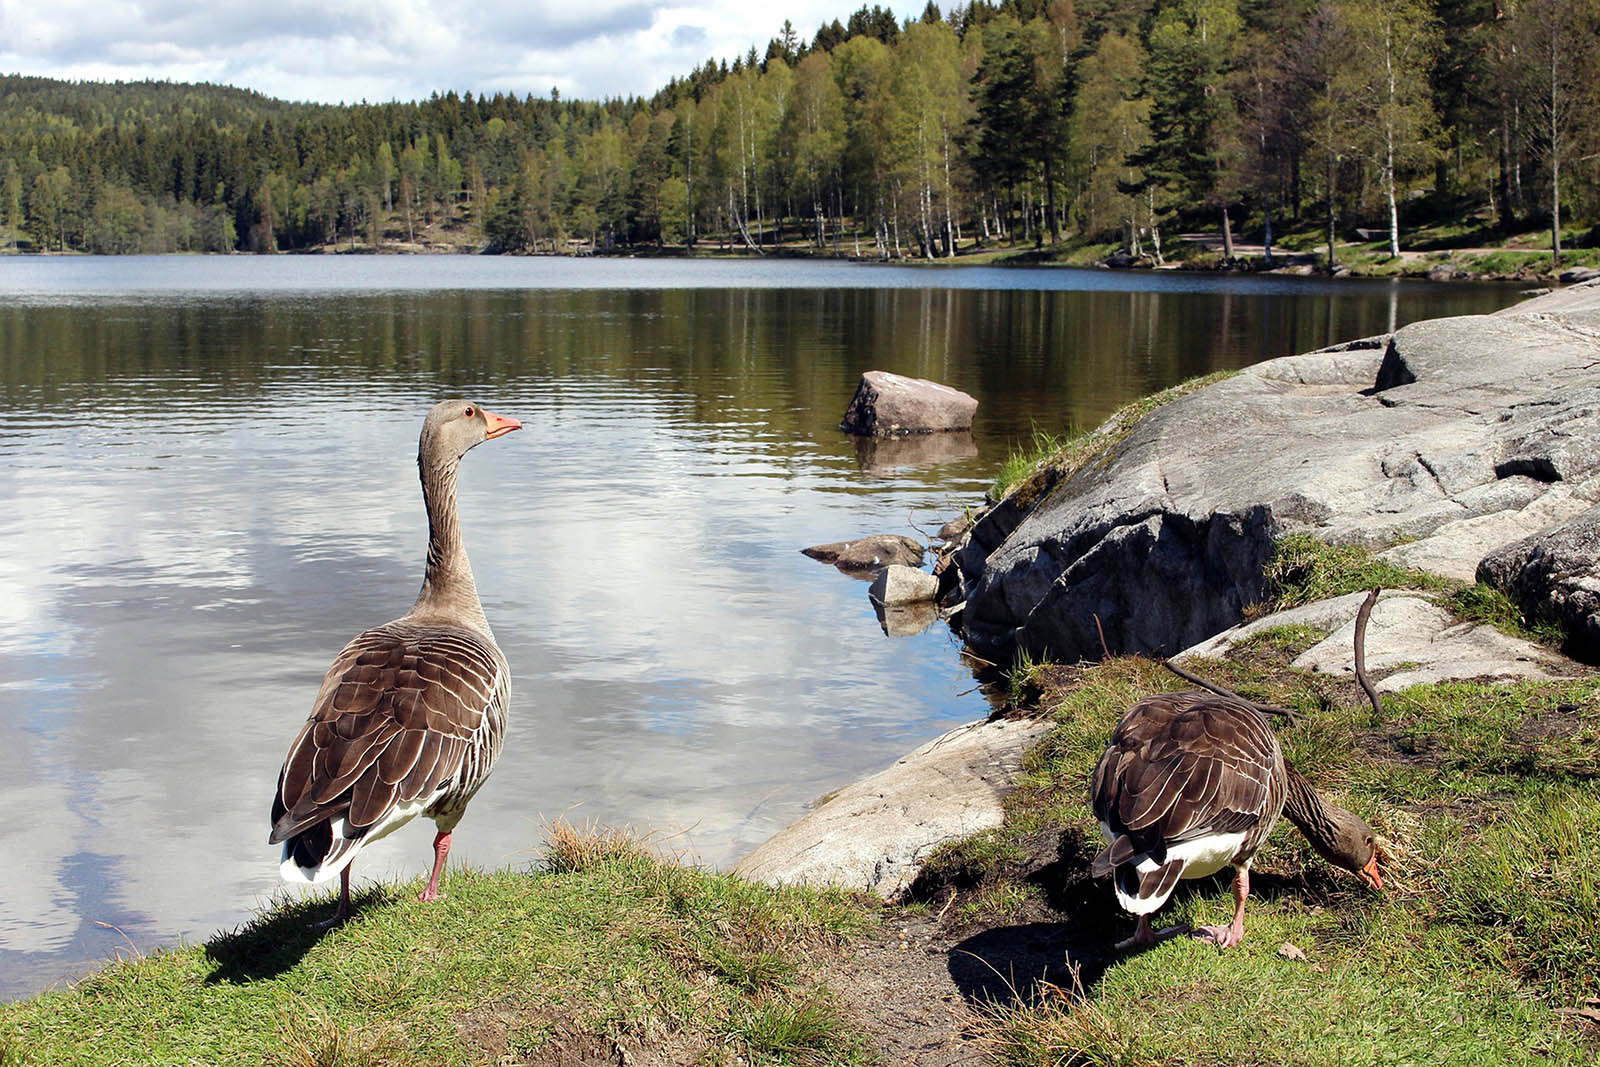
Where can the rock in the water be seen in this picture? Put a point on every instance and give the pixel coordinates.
(898, 584)
(868, 553)
(888, 404)
(1429, 441)
(873, 834)
(1555, 575)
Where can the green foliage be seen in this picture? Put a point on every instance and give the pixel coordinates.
(1482, 603)
(1003, 124)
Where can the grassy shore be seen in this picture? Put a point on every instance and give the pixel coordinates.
(1484, 947)
(609, 950)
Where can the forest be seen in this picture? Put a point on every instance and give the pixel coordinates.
(1023, 123)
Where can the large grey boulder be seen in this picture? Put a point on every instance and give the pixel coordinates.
(1555, 575)
(888, 404)
(1451, 432)
(875, 833)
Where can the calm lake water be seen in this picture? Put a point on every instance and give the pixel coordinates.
(208, 483)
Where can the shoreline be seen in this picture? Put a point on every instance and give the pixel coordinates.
(1446, 271)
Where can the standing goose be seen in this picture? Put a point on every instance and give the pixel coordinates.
(412, 714)
(1193, 782)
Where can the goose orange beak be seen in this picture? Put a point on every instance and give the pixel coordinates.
(499, 425)
(1369, 874)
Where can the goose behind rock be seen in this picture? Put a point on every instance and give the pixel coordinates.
(412, 714)
(1193, 782)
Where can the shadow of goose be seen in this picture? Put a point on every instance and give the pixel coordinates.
(275, 943)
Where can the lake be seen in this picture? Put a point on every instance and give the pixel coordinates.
(208, 484)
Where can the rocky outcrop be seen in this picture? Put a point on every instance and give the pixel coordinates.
(868, 554)
(1445, 440)
(874, 833)
(1555, 575)
(1410, 640)
(886, 405)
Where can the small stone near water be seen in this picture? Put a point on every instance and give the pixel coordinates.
(955, 529)
(875, 833)
(868, 553)
(897, 584)
(887, 404)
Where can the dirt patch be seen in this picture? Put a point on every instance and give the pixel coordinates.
(920, 989)
(502, 1032)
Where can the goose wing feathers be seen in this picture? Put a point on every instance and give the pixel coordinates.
(397, 713)
(1182, 766)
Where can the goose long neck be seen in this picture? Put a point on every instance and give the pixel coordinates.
(447, 586)
(1313, 816)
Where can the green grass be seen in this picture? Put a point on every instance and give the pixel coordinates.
(624, 949)
(1304, 570)
(1046, 460)
(1023, 459)
(1488, 799)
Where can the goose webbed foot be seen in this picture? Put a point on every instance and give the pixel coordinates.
(1233, 933)
(1223, 936)
(1144, 937)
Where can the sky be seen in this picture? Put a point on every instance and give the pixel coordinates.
(346, 51)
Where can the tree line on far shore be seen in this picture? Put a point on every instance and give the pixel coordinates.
(1023, 122)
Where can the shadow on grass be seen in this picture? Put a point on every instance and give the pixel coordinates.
(1012, 965)
(274, 943)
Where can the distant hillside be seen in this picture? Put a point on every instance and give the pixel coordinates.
(1022, 123)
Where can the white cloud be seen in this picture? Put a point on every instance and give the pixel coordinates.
(341, 51)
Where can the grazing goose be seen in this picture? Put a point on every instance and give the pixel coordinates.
(1193, 782)
(412, 714)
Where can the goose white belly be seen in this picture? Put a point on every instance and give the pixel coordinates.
(1201, 857)
(1205, 856)
(391, 821)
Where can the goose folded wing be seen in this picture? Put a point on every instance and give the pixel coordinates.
(1177, 771)
(393, 721)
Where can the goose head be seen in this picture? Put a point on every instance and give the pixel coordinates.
(453, 427)
(1347, 841)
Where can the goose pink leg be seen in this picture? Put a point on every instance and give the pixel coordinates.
(441, 849)
(343, 911)
(1233, 933)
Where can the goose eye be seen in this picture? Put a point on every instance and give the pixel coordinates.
(469, 413)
